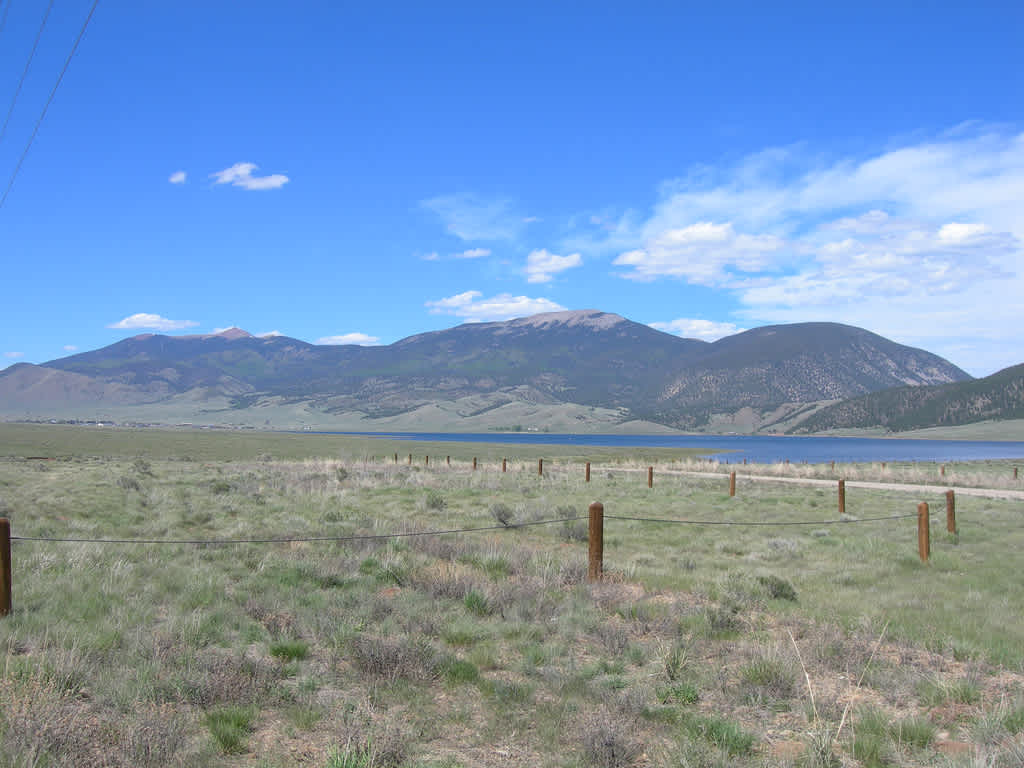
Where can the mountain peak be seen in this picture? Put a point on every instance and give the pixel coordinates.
(582, 318)
(232, 333)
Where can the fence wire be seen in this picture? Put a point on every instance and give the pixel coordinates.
(290, 539)
(448, 531)
(758, 522)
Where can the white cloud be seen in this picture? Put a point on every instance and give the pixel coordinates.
(240, 175)
(922, 242)
(268, 334)
(143, 320)
(472, 253)
(361, 339)
(542, 266)
(178, 177)
(470, 218)
(432, 256)
(13, 355)
(70, 348)
(694, 328)
(472, 307)
(701, 253)
(957, 233)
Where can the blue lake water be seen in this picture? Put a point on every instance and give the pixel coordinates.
(762, 449)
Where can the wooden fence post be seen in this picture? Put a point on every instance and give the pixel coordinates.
(923, 536)
(595, 566)
(410, 460)
(5, 566)
(504, 465)
(474, 463)
(448, 460)
(951, 511)
(732, 484)
(426, 461)
(587, 472)
(942, 470)
(396, 458)
(842, 498)
(650, 477)
(832, 465)
(540, 466)
(1014, 473)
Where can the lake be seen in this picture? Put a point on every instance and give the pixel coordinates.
(762, 449)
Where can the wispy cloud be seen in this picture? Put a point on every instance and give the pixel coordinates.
(361, 339)
(241, 175)
(70, 348)
(268, 334)
(472, 306)
(146, 321)
(694, 328)
(542, 266)
(470, 218)
(13, 355)
(472, 253)
(178, 177)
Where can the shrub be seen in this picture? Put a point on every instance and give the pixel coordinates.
(393, 658)
(435, 500)
(609, 743)
(575, 530)
(777, 588)
(502, 514)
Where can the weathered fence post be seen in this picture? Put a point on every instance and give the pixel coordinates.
(396, 458)
(426, 461)
(586, 473)
(924, 542)
(732, 484)
(832, 465)
(448, 460)
(842, 498)
(504, 465)
(942, 470)
(650, 477)
(474, 463)
(951, 511)
(410, 460)
(595, 566)
(540, 466)
(5, 566)
(1014, 473)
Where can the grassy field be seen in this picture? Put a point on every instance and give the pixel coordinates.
(827, 644)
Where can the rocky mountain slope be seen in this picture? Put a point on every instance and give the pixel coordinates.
(999, 396)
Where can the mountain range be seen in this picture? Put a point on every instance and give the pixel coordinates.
(593, 369)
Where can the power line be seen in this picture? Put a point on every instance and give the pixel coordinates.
(3, 19)
(53, 93)
(24, 73)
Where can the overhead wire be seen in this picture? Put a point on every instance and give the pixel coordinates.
(49, 100)
(3, 19)
(24, 72)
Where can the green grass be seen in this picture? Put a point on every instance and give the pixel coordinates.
(431, 648)
(230, 727)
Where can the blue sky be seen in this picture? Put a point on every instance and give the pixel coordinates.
(362, 172)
